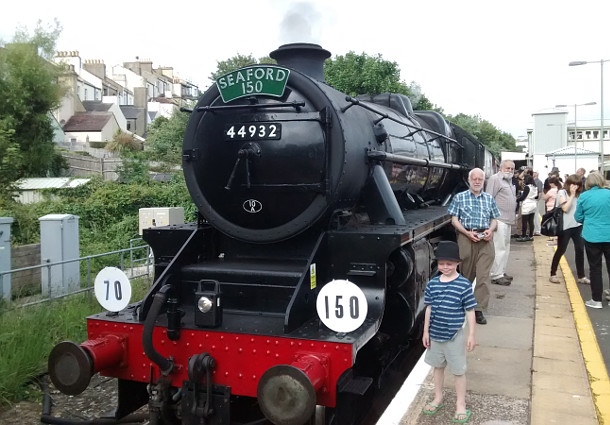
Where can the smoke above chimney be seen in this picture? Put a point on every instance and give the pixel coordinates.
(301, 23)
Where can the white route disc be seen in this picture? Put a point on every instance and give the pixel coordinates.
(341, 306)
(112, 289)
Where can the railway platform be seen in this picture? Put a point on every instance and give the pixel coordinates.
(537, 360)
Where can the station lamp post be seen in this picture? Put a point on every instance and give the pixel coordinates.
(575, 105)
(601, 136)
(563, 131)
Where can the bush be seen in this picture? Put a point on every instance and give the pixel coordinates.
(25, 344)
(108, 214)
(107, 211)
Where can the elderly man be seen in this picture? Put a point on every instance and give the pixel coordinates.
(474, 214)
(500, 187)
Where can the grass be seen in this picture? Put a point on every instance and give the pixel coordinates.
(28, 334)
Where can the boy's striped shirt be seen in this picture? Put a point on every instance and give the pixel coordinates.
(449, 301)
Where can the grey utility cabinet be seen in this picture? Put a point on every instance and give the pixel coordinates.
(58, 243)
(5, 257)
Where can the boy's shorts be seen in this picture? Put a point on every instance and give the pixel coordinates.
(452, 353)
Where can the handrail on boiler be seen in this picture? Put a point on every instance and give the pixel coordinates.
(400, 159)
(353, 101)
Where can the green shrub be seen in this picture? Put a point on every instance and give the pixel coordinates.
(25, 344)
(107, 211)
(108, 220)
(27, 336)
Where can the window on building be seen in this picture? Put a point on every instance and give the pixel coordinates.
(129, 125)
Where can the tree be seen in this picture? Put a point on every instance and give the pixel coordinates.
(10, 157)
(43, 39)
(164, 141)
(494, 139)
(134, 167)
(363, 74)
(419, 100)
(29, 91)
(236, 62)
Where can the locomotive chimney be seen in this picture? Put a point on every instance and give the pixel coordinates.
(307, 58)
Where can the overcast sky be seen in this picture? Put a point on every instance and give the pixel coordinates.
(502, 60)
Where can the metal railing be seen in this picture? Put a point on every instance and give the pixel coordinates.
(137, 266)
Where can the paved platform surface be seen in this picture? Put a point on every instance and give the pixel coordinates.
(600, 319)
(535, 362)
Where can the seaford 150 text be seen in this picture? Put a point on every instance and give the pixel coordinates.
(261, 79)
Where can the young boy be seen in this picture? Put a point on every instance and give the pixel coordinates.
(448, 299)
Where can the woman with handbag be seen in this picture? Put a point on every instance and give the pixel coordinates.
(592, 211)
(529, 204)
(567, 199)
(550, 195)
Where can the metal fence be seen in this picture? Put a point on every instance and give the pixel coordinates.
(135, 261)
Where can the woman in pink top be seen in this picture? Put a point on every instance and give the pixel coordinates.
(551, 195)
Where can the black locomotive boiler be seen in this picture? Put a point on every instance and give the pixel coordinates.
(301, 285)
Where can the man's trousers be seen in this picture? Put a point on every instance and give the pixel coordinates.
(477, 259)
(501, 242)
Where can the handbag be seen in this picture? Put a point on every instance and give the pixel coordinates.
(552, 222)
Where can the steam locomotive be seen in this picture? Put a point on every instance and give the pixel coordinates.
(302, 282)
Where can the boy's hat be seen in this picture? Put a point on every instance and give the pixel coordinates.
(447, 250)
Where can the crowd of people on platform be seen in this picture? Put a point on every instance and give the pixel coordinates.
(508, 206)
(483, 217)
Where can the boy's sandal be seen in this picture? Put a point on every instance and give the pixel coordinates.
(429, 406)
(464, 420)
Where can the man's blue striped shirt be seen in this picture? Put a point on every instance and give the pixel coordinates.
(474, 212)
(449, 301)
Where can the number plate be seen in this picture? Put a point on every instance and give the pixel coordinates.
(253, 131)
